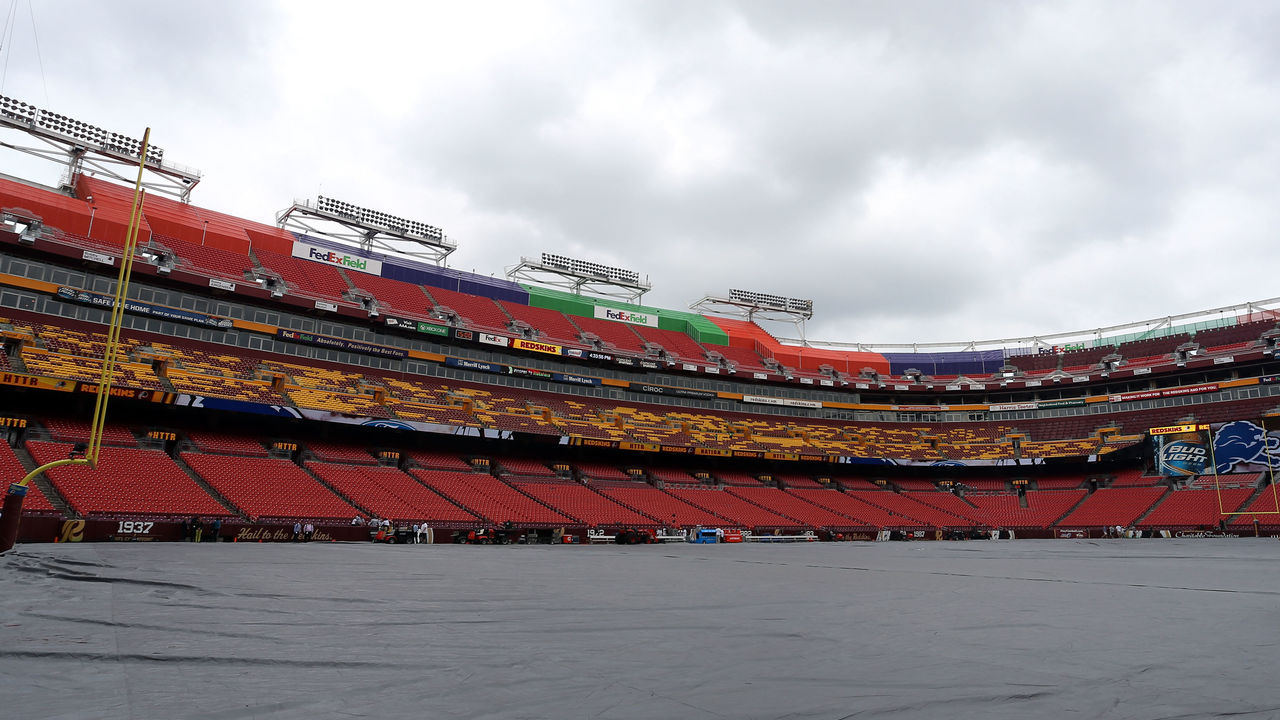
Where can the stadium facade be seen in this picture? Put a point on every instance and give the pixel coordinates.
(272, 375)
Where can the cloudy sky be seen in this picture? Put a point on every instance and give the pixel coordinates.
(924, 171)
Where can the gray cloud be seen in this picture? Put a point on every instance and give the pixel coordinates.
(923, 171)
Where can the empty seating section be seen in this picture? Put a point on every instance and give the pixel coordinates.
(1152, 347)
(1135, 478)
(984, 484)
(304, 277)
(389, 493)
(479, 312)
(341, 452)
(517, 423)
(226, 443)
(269, 488)
(490, 498)
(439, 461)
(1058, 483)
(1243, 333)
(745, 359)
(127, 481)
(1043, 508)
(73, 431)
(1196, 508)
(914, 484)
(526, 468)
(798, 481)
(740, 479)
(394, 296)
(861, 514)
(317, 378)
(338, 402)
(204, 259)
(552, 325)
(258, 391)
(600, 471)
(1265, 507)
(673, 477)
(612, 334)
(194, 360)
(584, 504)
(1058, 448)
(86, 369)
(1035, 362)
(1113, 506)
(12, 469)
(677, 344)
(904, 505)
(734, 508)
(665, 508)
(1080, 359)
(949, 504)
(791, 506)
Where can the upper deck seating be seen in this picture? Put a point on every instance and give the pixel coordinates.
(304, 277)
(479, 312)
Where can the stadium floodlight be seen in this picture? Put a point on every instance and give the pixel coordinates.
(576, 276)
(755, 305)
(367, 229)
(80, 145)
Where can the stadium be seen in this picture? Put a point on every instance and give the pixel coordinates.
(330, 366)
(1042, 526)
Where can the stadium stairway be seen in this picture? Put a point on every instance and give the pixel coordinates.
(204, 485)
(1023, 502)
(17, 364)
(1159, 501)
(46, 487)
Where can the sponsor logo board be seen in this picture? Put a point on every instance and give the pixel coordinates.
(626, 316)
(535, 346)
(336, 258)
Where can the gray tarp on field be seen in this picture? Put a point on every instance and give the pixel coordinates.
(1025, 629)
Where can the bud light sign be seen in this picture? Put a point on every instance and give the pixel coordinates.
(1183, 455)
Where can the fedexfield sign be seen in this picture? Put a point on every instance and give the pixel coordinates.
(336, 258)
(626, 316)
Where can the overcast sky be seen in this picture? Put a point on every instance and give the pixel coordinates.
(924, 171)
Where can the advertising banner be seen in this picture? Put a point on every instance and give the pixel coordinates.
(163, 312)
(426, 328)
(34, 381)
(345, 261)
(475, 365)
(788, 402)
(593, 355)
(626, 316)
(337, 343)
(535, 346)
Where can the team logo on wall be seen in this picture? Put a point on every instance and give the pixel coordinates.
(1242, 446)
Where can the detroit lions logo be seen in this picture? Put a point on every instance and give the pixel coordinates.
(1242, 443)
